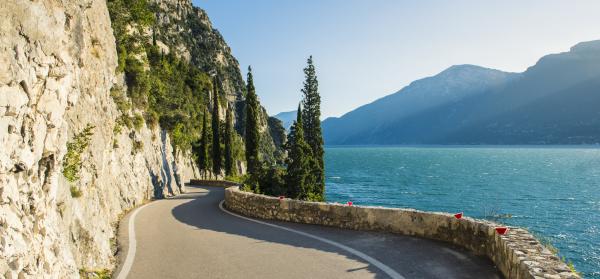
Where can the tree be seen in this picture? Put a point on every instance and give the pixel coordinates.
(229, 161)
(298, 178)
(272, 181)
(203, 164)
(216, 142)
(311, 115)
(252, 135)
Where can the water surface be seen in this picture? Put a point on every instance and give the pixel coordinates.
(552, 191)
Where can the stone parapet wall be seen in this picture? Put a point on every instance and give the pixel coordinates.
(517, 254)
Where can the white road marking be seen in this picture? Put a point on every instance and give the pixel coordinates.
(389, 271)
(132, 245)
(456, 254)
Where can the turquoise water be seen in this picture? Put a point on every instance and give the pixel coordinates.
(552, 191)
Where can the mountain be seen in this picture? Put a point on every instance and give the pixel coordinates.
(552, 102)
(287, 118)
(204, 47)
(368, 123)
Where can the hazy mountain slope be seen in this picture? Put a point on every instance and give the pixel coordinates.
(287, 118)
(551, 102)
(363, 125)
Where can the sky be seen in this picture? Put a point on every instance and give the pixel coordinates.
(366, 49)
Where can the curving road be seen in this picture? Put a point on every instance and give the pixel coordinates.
(190, 236)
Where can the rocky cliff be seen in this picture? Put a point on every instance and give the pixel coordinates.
(68, 168)
(186, 30)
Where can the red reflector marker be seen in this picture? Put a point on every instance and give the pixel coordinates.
(458, 215)
(502, 230)
(349, 203)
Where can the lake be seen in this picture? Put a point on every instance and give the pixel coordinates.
(552, 191)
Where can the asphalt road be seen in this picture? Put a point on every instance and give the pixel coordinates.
(190, 236)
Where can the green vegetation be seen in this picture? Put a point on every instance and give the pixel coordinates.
(166, 90)
(303, 175)
(572, 267)
(273, 181)
(311, 105)
(202, 149)
(300, 159)
(138, 121)
(252, 133)
(229, 159)
(95, 274)
(75, 192)
(216, 128)
(75, 147)
(137, 147)
(546, 242)
(170, 91)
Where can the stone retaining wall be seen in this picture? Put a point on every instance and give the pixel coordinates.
(517, 254)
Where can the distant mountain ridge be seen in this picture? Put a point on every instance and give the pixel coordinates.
(553, 102)
(287, 118)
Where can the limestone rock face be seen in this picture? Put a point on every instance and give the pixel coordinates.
(57, 68)
(190, 34)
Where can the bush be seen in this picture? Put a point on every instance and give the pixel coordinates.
(137, 147)
(151, 119)
(272, 181)
(94, 274)
(138, 121)
(123, 104)
(72, 160)
(118, 128)
(236, 178)
(75, 192)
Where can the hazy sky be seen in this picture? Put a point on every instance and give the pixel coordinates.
(366, 49)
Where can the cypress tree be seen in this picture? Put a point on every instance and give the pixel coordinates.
(229, 162)
(216, 141)
(252, 136)
(298, 162)
(311, 115)
(203, 152)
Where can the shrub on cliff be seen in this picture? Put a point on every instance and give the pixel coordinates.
(75, 147)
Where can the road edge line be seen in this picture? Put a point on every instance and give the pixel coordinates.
(131, 247)
(381, 266)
